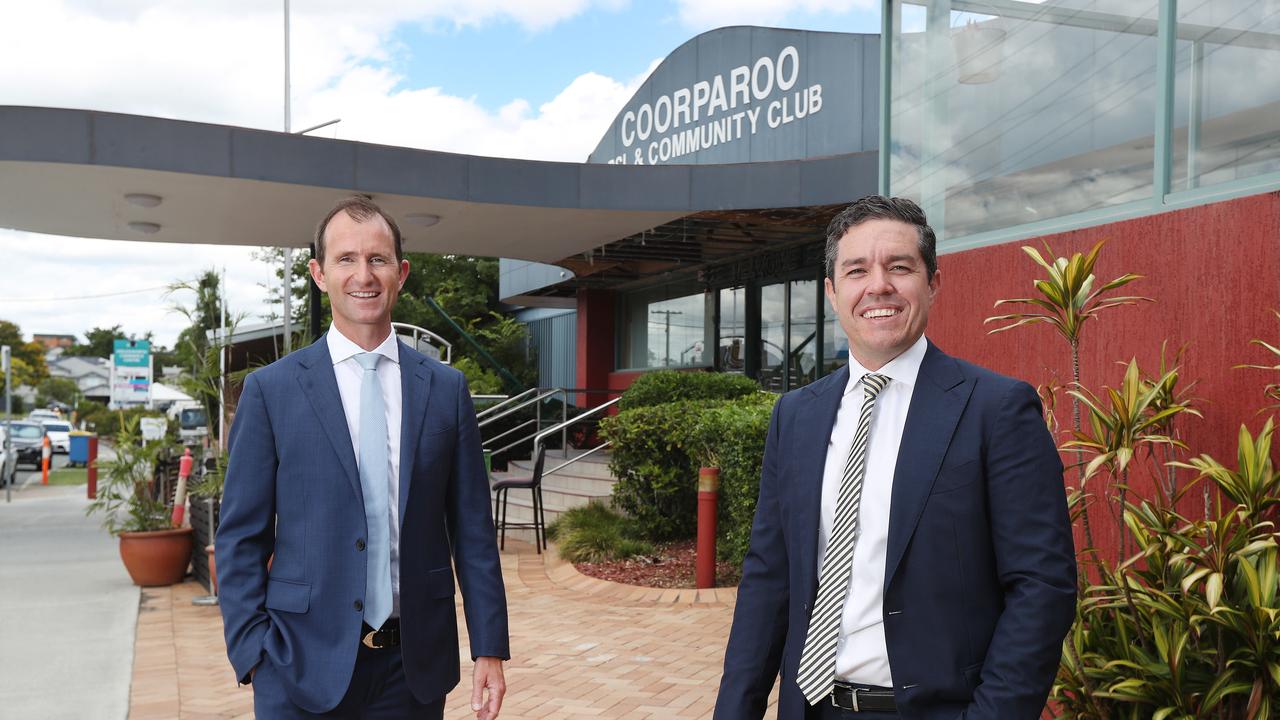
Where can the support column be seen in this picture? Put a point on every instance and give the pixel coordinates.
(596, 343)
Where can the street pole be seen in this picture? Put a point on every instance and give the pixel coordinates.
(287, 277)
(5, 355)
(222, 365)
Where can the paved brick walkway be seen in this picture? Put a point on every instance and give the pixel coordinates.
(584, 648)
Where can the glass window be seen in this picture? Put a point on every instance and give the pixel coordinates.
(773, 335)
(1027, 113)
(835, 344)
(1226, 92)
(803, 355)
(665, 332)
(733, 326)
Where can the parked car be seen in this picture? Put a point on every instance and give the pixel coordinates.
(42, 414)
(8, 461)
(59, 432)
(27, 440)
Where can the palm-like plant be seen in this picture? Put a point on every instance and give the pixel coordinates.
(1069, 297)
(1272, 390)
(1135, 414)
(1189, 626)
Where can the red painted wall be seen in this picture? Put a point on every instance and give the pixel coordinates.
(1214, 274)
(595, 343)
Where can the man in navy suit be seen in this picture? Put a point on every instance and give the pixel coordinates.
(356, 486)
(911, 554)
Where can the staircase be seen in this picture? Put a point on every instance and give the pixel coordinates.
(584, 482)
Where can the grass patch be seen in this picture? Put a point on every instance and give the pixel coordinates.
(595, 533)
(68, 476)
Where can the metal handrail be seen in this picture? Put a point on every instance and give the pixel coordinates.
(540, 397)
(562, 427)
(536, 401)
(417, 334)
(513, 398)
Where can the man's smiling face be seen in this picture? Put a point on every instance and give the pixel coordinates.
(881, 291)
(360, 273)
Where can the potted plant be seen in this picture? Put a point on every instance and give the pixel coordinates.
(153, 550)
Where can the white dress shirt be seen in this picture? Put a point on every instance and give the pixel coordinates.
(861, 655)
(350, 376)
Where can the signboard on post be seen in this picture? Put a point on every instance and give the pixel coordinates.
(152, 428)
(130, 373)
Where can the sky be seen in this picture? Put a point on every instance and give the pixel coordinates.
(535, 79)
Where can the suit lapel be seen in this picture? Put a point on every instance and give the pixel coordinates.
(320, 387)
(814, 423)
(939, 398)
(415, 384)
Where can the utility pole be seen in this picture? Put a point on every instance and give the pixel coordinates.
(666, 356)
(287, 277)
(6, 354)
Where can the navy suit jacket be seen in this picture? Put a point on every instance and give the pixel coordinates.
(980, 578)
(293, 489)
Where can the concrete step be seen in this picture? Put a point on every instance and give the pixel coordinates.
(592, 466)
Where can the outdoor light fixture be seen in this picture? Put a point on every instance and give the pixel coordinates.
(143, 200)
(146, 228)
(422, 219)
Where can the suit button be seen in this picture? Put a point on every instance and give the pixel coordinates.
(359, 606)
(360, 544)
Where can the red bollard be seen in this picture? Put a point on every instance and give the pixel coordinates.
(180, 493)
(708, 499)
(92, 464)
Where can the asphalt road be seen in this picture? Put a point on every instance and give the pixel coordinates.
(68, 611)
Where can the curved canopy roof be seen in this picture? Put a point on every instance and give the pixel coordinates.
(67, 172)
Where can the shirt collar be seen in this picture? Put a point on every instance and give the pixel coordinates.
(342, 348)
(903, 369)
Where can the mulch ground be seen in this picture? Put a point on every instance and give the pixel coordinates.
(672, 566)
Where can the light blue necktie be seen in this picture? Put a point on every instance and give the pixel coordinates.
(373, 482)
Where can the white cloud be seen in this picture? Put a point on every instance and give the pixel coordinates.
(61, 280)
(707, 14)
(223, 63)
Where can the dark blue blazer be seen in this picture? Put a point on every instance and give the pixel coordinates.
(980, 578)
(292, 489)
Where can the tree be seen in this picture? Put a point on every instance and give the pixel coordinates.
(63, 390)
(196, 354)
(100, 342)
(29, 367)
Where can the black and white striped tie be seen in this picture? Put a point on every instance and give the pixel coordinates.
(818, 662)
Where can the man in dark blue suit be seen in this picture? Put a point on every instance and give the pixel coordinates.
(911, 554)
(356, 487)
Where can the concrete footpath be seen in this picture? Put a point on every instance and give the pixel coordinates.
(68, 611)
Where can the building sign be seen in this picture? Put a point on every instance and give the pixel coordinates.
(746, 94)
(130, 373)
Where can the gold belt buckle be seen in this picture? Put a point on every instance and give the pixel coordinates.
(367, 640)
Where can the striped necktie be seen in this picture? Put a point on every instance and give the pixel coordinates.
(818, 662)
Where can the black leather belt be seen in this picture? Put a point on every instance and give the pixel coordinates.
(386, 637)
(863, 699)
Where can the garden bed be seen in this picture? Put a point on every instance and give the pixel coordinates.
(670, 566)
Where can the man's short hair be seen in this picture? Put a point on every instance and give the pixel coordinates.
(360, 209)
(879, 207)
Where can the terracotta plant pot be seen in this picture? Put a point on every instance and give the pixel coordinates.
(159, 557)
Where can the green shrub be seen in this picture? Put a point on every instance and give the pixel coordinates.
(666, 386)
(657, 477)
(107, 423)
(657, 450)
(595, 533)
(731, 437)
